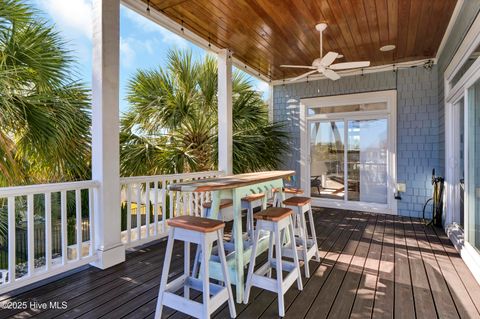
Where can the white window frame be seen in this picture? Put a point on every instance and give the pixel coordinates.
(390, 113)
(453, 94)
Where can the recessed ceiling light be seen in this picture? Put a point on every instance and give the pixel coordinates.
(386, 48)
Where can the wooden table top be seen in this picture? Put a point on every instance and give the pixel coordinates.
(229, 182)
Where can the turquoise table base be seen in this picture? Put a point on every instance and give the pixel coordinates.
(240, 258)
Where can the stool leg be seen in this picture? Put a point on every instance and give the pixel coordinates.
(226, 277)
(164, 278)
(270, 253)
(250, 221)
(278, 258)
(295, 257)
(303, 234)
(186, 268)
(196, 262)
(314, 233)
(251, 267)
(206, 249)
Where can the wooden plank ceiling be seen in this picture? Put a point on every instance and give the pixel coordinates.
(265, 33)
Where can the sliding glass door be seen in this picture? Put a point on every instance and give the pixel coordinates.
(364, 151)
(349, 147)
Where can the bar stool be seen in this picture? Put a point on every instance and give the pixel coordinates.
(249, 203)
(276, 220)
(204, 232)
(224, 204)
(288, 191)
(306, 243)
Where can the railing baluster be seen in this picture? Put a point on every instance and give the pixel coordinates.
(190, 204)
(63, 213)
(196, 203)
(30, 234)
(129, 213)
(147, 209)
(78, 219)
(139, 212)
(48, 230)
(11, 240)
(184, 203)
(155, 208)
(91, 212)
(164, 205)
(172, 202)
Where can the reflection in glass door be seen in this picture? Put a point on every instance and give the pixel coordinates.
(473, 182)
(327, 159)
(366, 158)
(367, 161)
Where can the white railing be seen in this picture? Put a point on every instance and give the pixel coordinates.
(147, 204)
(47, 229)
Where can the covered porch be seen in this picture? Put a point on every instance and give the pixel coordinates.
(378, 259)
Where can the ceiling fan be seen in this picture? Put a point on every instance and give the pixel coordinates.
(323, 65)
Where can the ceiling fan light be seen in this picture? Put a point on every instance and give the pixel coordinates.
(387, 48)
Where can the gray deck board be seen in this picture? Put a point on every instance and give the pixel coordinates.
(372, 266)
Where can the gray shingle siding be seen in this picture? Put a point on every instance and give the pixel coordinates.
(418, 116)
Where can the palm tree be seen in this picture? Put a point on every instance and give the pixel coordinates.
(171, 126)
(44, 111)
(45, 117)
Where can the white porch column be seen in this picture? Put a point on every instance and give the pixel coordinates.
(105, 132)
(225, 149)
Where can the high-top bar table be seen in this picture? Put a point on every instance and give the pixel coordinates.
(236, 187)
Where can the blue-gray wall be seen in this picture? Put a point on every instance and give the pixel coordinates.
(418, 115)
(462, 24)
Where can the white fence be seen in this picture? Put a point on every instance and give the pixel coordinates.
(55, 222)
(45, 206)
(147, 204)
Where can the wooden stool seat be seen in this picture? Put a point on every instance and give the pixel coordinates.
(290, 190)
(274, 214)
(297, 201)
(224, 203)
(199, 224)
(253, 197)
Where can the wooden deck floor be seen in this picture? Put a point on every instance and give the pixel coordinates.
(376, 266)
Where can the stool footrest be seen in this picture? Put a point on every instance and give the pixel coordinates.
(219, 295)
(287, 252)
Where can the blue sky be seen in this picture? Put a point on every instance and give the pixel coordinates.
(143, 44)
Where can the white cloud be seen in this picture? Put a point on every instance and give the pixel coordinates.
(262, 86)
(72, 17)
(129, 47)
(127, 53)
(151, 27)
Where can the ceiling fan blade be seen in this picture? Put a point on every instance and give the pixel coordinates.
(349, 65)
(331, 74)
(297, 66)
(303, 75)
(328, 58)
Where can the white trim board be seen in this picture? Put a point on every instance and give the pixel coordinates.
(451, 23)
